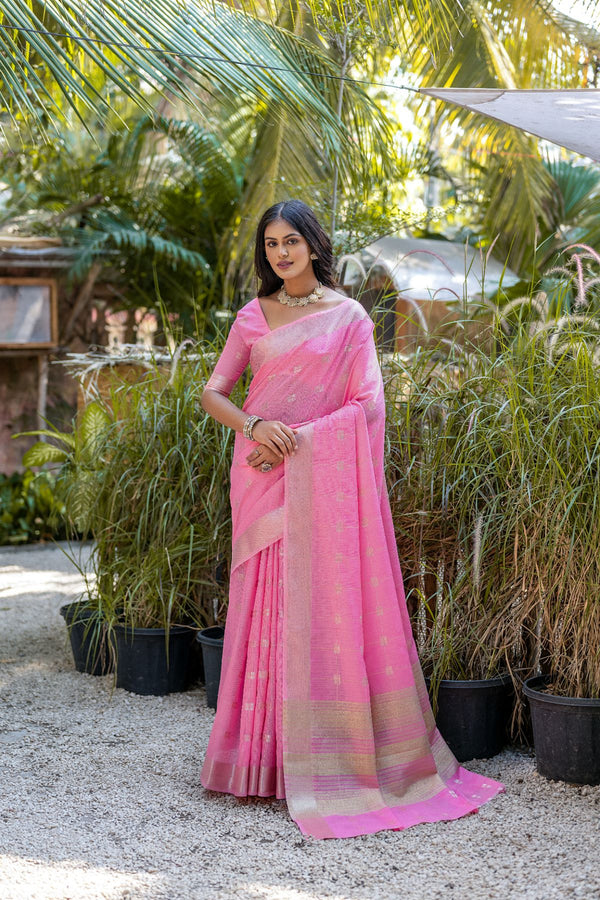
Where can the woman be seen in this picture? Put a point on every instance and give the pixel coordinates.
(322, 699)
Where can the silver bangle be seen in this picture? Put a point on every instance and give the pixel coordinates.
(249, 426)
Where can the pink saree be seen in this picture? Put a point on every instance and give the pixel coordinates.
(322, 699)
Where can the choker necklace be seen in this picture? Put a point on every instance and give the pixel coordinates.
(314, 296)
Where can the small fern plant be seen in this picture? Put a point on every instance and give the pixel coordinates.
(81, 462)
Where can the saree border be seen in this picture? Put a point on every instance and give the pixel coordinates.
(262, 532)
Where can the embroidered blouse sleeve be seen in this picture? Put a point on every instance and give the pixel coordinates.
(231, 363)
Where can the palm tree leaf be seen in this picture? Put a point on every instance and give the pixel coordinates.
(522, 197)
(192, 50)
(128, 238)
(512, 44)
(201, 152)
(579, 186)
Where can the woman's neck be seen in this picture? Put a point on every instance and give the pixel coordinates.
(301, 285)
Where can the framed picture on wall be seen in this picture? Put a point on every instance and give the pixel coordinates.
(28, 313)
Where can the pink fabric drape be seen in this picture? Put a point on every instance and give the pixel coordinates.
(340, 690)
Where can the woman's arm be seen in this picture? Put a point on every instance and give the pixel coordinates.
(277, 436)
(222, 409)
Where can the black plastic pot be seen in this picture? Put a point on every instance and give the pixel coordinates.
(566, 734)
(195, 673)
(89, 643)
(212, 639)
(473, 716)
(143, 664)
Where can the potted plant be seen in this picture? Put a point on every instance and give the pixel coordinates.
(88, 637)
(563, 689)
(212, 638)
(446, 505)
(157, 508)
(560, 564)
(211, 641)
(493, 472)
(77, 453)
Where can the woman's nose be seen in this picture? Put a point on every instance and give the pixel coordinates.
(283, 251)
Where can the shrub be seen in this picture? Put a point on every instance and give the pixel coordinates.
(30, 509)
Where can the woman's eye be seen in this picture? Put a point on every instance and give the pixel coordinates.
(293, 241)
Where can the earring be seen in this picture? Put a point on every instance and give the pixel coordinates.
(313, 256)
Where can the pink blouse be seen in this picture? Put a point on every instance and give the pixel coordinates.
(248, 325)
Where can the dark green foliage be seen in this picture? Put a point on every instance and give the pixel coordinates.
(150, 203)
(30, 509)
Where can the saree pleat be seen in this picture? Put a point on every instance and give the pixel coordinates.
(322, 699)
(244, 754)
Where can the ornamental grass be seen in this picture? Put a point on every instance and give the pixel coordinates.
(493, 466)
(154, 497)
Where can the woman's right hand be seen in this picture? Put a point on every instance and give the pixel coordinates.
(277, 436)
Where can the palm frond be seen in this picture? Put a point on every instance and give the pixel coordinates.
(194, 52)
(511, 44)
(200, 150)
(130, 241)
(140, 241)
(522, 196)
(578, 219)
(579, 186)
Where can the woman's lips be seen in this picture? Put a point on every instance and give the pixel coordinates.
(284, 265)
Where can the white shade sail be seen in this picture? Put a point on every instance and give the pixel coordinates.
(423, 268)
(570, 119)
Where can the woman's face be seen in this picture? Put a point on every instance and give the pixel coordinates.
(287, 251)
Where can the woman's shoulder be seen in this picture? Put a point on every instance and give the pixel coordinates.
(247, 308)
(338, 298)
(249, 320)
(249, 311)
(355, 311)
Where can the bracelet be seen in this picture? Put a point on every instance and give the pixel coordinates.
(249, 426)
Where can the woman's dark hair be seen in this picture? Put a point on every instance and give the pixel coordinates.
(305, 222)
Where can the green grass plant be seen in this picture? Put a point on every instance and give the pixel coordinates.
(145, 475)
(493, 465)
(165, 506)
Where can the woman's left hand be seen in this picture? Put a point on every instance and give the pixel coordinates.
(262, 454)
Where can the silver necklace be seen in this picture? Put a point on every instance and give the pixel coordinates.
(314, 296)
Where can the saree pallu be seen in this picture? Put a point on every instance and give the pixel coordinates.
(322, 699)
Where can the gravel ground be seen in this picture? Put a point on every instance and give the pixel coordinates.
(100, 796)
